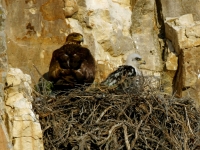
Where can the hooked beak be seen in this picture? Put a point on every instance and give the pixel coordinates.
(143, 62)
(81, 39)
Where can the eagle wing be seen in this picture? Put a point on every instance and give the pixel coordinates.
(59, 65)
(86, 72)
(117, 76)
(72, 61)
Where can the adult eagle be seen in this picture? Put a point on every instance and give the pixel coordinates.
(130, 69)
(72, 64)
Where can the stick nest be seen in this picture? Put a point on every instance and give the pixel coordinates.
(109, 119)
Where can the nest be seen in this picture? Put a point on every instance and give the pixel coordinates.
(109, 119)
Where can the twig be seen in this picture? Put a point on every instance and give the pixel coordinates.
(128, 147)
(110, 133)
(127, 117)
(138, 127)
(37, 70)
(185, 142)
(37, 93)
(188, 121)
(103, 113)
(90, 115)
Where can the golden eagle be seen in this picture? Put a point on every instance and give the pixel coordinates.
(72, 64)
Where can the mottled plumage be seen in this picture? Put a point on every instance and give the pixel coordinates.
(130, 69)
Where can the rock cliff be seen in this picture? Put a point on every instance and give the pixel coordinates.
(165, 33)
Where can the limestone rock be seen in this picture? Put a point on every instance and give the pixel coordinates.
(172, 61)
(28, 144)
(144, 35)
(33, 32)
(48, 14)
(191, 67)
(183, 32)
(111, 28)
(24, 127)
(184, 35)
(177, 8)
(27, 129)
(24, 114)
(70, 8)
(4, 140)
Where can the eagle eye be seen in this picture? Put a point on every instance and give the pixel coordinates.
(138, 59)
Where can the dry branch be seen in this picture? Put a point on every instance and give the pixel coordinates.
(118, 119)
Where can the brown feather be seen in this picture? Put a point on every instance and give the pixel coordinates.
(73, 64)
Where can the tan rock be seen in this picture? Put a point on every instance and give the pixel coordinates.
(13, 80)
(11, 101)
(178, 8)
(145, 35)
(70, 8)
(48, 14)
(183, 32)
(4, 140)
(191, 66)
(29, 143)
(172, 62)
(172, 59)
(39, 28)
(109, 28)
(27, 129)
(23, 125)
(122, 2)
(185, 20)
(23, 114)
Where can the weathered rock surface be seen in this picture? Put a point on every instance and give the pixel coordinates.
(5, 142)
(23, 126)
(145, 32)
(178, 8)
(184, 34)
(110, 29)
(171, 59)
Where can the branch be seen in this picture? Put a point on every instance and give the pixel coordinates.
(188, 121)
(110, 133)
(102, 114)
(138, 127)
(128, 147)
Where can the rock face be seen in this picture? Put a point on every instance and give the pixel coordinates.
(184, 33)
(165, 33)
(5, 143)
(23, 126)
(110, 29)
(178, 8)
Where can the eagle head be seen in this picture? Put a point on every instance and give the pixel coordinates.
(75, 38)
(135, 60)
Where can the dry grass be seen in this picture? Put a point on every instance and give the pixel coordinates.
(131, 116)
